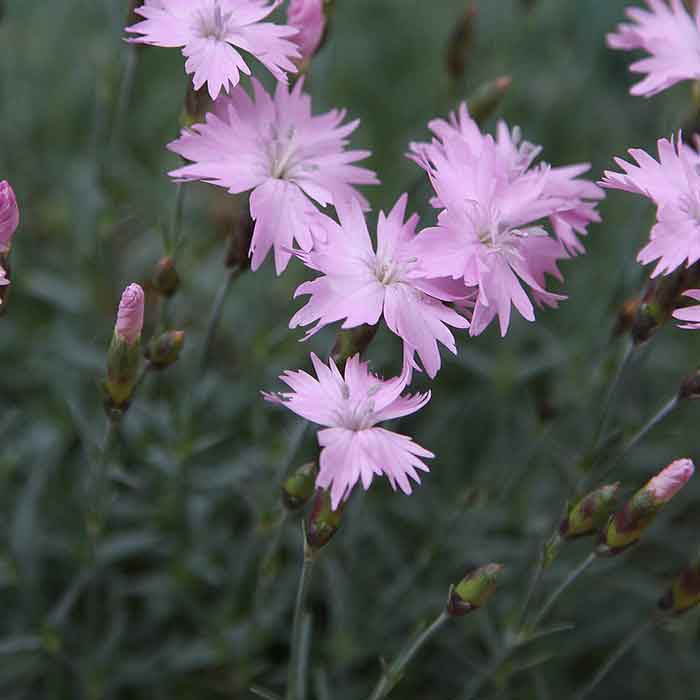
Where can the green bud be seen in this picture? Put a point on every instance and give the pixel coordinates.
(123, 364)
(323, 521)
(461, 42)
(165, 278)
(474, 590)
(484, 102)
(590, 513)
(684, 593)
(351, 342)
(626, 527)
(299, 486)
(164, 350)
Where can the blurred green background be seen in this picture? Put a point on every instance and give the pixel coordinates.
(174, 606)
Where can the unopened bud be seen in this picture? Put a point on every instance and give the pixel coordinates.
(484, 102)
(460, 43)
(299, 486)
(165, 278)
(9, 216)
(626, 316)
(627, 526)
(352, 342)
(130, 315)
(590, 513)
(323, 521)
(474, 590)
(164, 350)
(684, 593)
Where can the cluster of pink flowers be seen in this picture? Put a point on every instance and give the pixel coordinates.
(504, 221)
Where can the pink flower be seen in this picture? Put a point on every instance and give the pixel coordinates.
(9, 216)
(130, 314)
(492, 201)
(212, 31)
(690, 314)
(349, 408)
(309, 18)
(359, 285)
(665, 485)
(287, 157)
(3, 278)
(673, 185)
(671, 37)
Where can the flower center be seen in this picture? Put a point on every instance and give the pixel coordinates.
(211, 22)
(356, 413)
(690, 204)
(283, 152)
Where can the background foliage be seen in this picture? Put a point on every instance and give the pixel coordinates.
(174, 606)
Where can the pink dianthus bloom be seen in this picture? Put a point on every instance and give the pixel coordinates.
(130, 314)
(353, 448)
(673, 185)
(691, 314)
(9, 216)
(212, 31)
(493, 200)
(359, 285)
(287, 157)
(667, 483)
(672, 38)
(309, 17)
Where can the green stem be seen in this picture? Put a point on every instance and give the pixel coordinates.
(100, 481)
(663, 413)
(216, 314)
(612, 393)
(535, 579)
(176, 221)
(125, 90)
(297, 662)
(478, 683)
(585, 564)
(616, 655)
(392, 675)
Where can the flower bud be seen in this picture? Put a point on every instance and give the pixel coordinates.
(461, 42)
(474, 590)
(130, 315)
(299, 486)
(590, 513)
(9, 215)
(164, 350)
(309, 17)
(626, 316)
(352, 342)
(684, 593)
(165, 278)
(484, 102)
(323, 521)
(626, 527)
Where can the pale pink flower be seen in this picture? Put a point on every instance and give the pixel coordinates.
(9, 216)
(689, 314)
(287, 157)
(493, 200)
(353, 448)
(359, 285)
(309, 17)
(211, 33)
(665, 485)
(673, 185)
(672, 38)
(130, 314)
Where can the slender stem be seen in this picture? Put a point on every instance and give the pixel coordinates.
(612, 393)
(663, 413)
(176, 221)
(392, 675)
(535, 579)
(100, 485)
(478, 683)
(296, 658)
(216, 314)
(616, 655)
(125, 90)
(585, 564)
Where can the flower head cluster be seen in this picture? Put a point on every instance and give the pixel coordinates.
(493, 202)
(673, 185)
(669, 35)
(309, 17)
(360, 285)
(273, 146)
(350, 407)
(212, 33)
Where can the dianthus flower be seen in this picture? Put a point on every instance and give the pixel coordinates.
(353, 448)
(673, 185)
(211, 32)
(359, 285)
(691, 314)
(493, 200)
(9, 215)
(287, 157)
(309, 17)
(672, 38)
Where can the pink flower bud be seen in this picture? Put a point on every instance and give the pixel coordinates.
(130, 315)
(309, 18)
(9, 215)
(665, 485)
